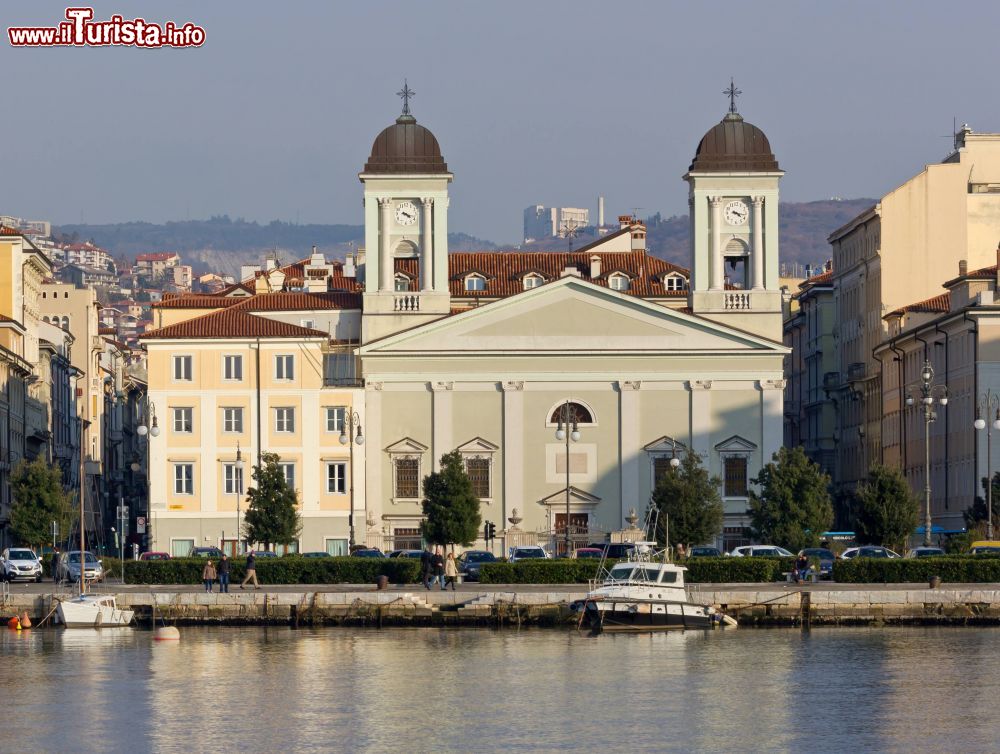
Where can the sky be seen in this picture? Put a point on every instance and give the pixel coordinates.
(539, 102)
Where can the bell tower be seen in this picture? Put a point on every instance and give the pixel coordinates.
(733, 201)
(406, 228)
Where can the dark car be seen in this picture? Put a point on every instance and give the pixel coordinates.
(875, 552)
(155, 556)
(265, 554)
(406, 554)
(205, 552)
(825, 558)
(705, 552)
(615, 550)
(316, 554)
(588, 552)
(368, 552)
(470, 561)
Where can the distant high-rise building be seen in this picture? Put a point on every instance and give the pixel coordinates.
(548, 222)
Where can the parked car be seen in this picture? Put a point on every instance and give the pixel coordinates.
(615, 550)
(529, 552)
(925, 552)
(872, 551)
(368, 552)
(264, 554)
(205, 552)
(704, 551)
(588, 552)
(471, 561)
(406, 554)
(985, 547)
(317, 554)
(20, 563)
(155, 556)
(825, 557)
(69, 567)
(760, 551)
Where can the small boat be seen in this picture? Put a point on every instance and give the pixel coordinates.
(92, 611)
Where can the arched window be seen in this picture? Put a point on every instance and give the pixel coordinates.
(618, 282)
(675, 282)
(532, 281)
(402, 282)
(65, 323)
(577, 413)
(475, 283)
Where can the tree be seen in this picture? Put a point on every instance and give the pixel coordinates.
(793, 507)
(887, 511)
(451, 508)
(272, 513)
(38, 500)
(977, 512)
(689, 503)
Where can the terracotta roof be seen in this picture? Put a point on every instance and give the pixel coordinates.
(6, 230)
(505, 270)
(294, 301)
(938, 305)
(197, 301)
(158, 256)
(232, 323)
(106, 331)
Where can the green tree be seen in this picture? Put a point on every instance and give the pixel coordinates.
(451, 508)
(272, 512)
(38, 500)
(793, 507)
(977, 512)
(887, 510)
(689, 504)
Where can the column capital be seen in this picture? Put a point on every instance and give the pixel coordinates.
(427, 201)
(384, 201)
(513, 385)
(442, 385)
(715, 201)
(757, 201)
(630, 385)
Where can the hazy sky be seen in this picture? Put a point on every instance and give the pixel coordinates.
(532, 102)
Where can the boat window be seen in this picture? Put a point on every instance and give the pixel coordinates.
(668, 577)
(651, 574)
(622, 572)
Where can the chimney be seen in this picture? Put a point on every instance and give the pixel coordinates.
(595, 266)
(349, 269)
(317, 258)
(570, 270)
(624, 221)
(638, 236)
(963, 267)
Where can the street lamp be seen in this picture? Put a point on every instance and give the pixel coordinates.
(239, 495)
(989, 405)
(150, 427)
(927, 393)
(347, 433)
(567, 417)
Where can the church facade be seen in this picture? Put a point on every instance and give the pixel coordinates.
(568, 381)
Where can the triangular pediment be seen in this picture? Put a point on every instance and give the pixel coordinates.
(478, 445)
(735, 444)
(574, 315)
(576, 497)
(666, 444)
(406, 445)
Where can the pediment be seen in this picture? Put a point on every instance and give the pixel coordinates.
(478, 445)
(574, 315)
(735, 444)
(406, 445)
(665, 444)
(576, 496)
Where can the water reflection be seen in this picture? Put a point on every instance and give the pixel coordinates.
(273, 689)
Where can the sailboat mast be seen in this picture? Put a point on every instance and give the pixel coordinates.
(83, 563)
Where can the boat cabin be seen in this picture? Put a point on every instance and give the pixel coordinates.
(666, 574)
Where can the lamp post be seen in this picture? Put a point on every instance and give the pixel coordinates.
(349, 437)
(239, 495)
(927, 393)
(149, 427)
(567, 417)
(988, 405)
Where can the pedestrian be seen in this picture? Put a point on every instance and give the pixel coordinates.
(251, 571)
(224, 574)
(437, 569)
(425, 566)
(208, 575)
(450, 571)
(801, 568)
(55, 565)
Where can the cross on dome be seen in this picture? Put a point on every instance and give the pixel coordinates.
(406, 93)
(732, 92)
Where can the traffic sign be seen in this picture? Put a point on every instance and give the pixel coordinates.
(140, 524)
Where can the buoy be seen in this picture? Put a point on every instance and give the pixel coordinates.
(166, 633)
(25, 620)
(14, 623)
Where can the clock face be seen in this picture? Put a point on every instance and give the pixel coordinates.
(406, 213)
(736, 213)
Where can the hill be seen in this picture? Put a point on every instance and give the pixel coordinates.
(221, 244)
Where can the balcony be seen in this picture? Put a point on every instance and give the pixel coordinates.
(737, 300)
(343, 382)
(406, 303)
(831, 380)
(856, 371)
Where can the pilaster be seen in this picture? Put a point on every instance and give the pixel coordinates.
(630, 446)
(718, 276)
(441, 421)
(758, 243)
(427, 245)
(386, 266)
(513, 448)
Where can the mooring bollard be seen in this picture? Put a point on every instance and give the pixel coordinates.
(935, 582)
(382, 582)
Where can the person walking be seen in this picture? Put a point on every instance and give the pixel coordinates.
(425, 566)
(437, 569)
(55, 565)
(208, 575)
(224, 574)
(251, 572)
(450, 571)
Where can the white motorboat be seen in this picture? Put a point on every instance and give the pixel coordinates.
(92, 611)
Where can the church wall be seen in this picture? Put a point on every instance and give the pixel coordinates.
(663, 412)
(404, 413)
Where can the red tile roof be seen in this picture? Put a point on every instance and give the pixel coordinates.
(938, 305)
(294, 301)
(6, 230)
(232, 323)
(158, 256)
(197, 301)
(106, 331)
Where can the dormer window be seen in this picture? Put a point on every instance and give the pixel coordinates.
(618, 282)
(532, 281)
(675, 282)
(402, 282)
(475, 283)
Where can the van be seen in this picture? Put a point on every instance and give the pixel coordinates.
(985, 547)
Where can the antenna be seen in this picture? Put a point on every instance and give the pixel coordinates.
(569, 231)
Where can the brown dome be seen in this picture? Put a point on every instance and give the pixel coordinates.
(405, 147)
(733, 145)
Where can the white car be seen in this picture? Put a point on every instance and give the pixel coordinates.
(21, 563)
(760, 551)
(868, 551)
(529, 552)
